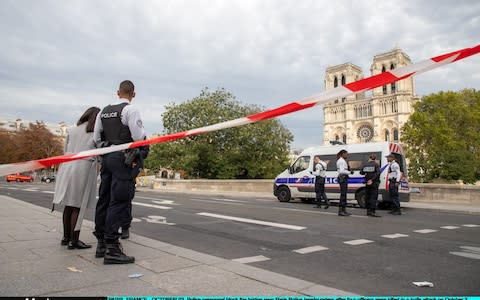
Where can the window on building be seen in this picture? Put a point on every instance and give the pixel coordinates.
(395, 135)
(335, 82)
(344, 138)
(336, 137)
(343, 79)
(394, 87)
(384, 88)
(387, 135)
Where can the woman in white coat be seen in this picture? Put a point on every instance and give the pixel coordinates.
(76, 185)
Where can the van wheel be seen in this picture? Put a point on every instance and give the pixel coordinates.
(283, 194)
(360, 197)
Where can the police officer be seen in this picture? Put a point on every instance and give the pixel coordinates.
(118, 123)
(343, 171)
(371, 170)
(394, 176)
(320, 168)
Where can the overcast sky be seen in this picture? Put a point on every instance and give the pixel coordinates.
(58, 58)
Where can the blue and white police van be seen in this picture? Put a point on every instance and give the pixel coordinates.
(297, 182)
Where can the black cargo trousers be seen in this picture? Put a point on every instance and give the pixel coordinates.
(117, 189)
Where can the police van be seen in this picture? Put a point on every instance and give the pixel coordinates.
(298, 182)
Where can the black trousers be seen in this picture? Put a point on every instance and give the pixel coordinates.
(371, 196)
(117, 189)
(320, 190)
(343, 192)
(393, 193)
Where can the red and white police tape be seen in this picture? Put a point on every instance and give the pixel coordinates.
(339, 92)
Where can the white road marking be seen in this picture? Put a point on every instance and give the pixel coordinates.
(252, 259)
(157, 220)
(310, 249)
(358, 242)
(450, 227)
(228, 200)
(252, 221)
(31, 190)
(136, 220)
(48, 192)
(166, 202)
(218, 202)
(316, 212)
(394, 236)
(425, 231)
(469, 252)
(471, 225)
(151, 205)
(163, 201)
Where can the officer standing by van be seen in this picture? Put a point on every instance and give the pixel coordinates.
(371, 170)
(118, 123)
(343, 173)
(320, 168)
(394, 176)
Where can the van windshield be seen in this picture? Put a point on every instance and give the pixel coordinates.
(300, 164)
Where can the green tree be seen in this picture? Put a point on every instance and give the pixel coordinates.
(442, 137)
(257, 150)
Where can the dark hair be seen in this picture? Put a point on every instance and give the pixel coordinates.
(316, 156)
(89, 116)
(127, 88)
(339, 154)
(373, 157)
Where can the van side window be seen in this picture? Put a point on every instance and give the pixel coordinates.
(301, 164)
(356, 160)
(400, 161)
(331, 161)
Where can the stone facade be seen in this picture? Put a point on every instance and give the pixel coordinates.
(359, 119)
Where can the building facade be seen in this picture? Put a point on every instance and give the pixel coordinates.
(359, 119)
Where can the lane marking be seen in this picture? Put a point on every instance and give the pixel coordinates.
(31, 190)
(164, 201)
(136, 220)
(310, 249)
(358, 242)
(469, 252)
(157, 220)
(470, 225)
(394, 236)
(48, 192)
(218, 202)
(316, 212)
(252, 221)
(425, 231)
(228, 200)
(252, 259)
(151, 205)
(450, 227)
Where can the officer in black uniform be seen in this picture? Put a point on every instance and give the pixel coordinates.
(371, 170)
(117, 124)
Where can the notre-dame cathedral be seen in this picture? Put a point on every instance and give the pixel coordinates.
(358, 119)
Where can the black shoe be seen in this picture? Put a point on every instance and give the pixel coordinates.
(372, 214)
(125, 234)
(78, 245)
(397, 212)
(327, 205)
(115, 255)
(101, 248)
(64, 241)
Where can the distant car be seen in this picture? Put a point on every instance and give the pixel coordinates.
(19, 178)
(48, 178)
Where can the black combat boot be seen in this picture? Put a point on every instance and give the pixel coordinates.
(101, 248)
(115, 255)
(342, 212)
(397, 212)
(372, 213)
(327, 204)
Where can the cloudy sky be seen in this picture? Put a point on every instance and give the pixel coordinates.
(58, 58)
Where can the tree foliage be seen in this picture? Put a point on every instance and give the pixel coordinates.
(257, 150)
(33, 142)
(442, 137)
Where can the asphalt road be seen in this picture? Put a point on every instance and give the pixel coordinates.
(368, 256)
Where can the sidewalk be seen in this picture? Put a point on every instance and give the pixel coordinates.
(33, 263)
